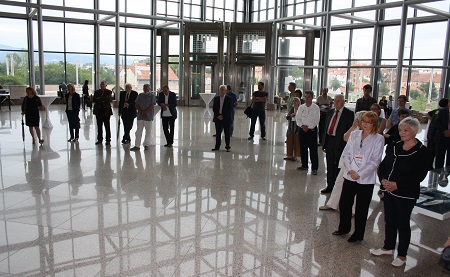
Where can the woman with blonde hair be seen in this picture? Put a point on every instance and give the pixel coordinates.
(292, 141)
(361, 156)
(30, 108)
(72, 111)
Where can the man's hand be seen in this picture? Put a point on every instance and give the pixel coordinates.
(220, 117)
(305, 128)
(447, 133)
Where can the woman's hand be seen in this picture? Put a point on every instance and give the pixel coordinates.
(389, 185)
(354, 175)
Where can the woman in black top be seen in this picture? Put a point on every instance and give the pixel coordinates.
(30, 108)
(86, 94)
(72, 111)
(405, 165)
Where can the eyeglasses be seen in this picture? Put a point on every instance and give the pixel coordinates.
(367, 122)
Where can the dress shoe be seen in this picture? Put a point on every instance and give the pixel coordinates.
(170, 145)
(381, 252)
(353, 239)
(214, 135)
(263, 138)
(314, 172)
(301, 168)
(107, 143)
(326, 190)
(146, 147)
(250, 138)
(41, 141)
(215, 149)
(325, 207)
(397, 262)
(228, 149)
(135, 148)
(70, 140)
(98, 142)
(166, 145)
(339, 233)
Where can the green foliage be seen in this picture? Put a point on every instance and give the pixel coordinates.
(425, 87)
(10, 80)
(351, 87)
(335, 84)
(384, 88)
(413, 94)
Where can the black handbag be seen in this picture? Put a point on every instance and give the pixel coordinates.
(248, 111)
(445, 257)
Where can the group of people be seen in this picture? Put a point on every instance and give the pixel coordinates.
(354, 147)
(131, 105)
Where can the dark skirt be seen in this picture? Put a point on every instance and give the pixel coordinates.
(74, 120)
(32, 120)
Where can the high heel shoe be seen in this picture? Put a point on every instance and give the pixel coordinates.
(41, 141)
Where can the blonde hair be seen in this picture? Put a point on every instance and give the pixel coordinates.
(371, 117)
(71, 86)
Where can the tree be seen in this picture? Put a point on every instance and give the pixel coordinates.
(425, 88)
(335, 84)
(414, 93)
(384, 88)
(10, 80)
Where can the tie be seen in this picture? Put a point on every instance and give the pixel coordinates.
(333, 123)
(221, 103)
(126, 98)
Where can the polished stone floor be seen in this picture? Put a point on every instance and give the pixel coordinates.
(77, 209)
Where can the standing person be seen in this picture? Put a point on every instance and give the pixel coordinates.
(307, 118)
(86, 95)
(361, 156)
(168, 102)
(338, 121)
(384, 104)
(292, 141)
(393, 118)
(325, 103)
(145, 103)
(232, 95)
(62, 90)
(30, 108)
(442, 139)
(405, 165)
(127, 110)
(103, 112)
(223, 109)
(381, 120)
(259, 100)
(242, 90)
(432, 116)
(72, 110)
(364, 103)
(290, 98)
(390, 104)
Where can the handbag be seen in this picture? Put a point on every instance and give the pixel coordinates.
(248, 111)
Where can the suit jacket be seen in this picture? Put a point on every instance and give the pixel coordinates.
(129, 112)
(172, 103)
(441, 125)
(75, 102)
(345, 122)
(227, 109)
(102, 101)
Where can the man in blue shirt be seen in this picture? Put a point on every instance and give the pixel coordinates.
(233, 96)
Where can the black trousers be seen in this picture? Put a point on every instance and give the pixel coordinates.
(168, 123)
(103, 120)
(261, 114)
(363, 194)
(74, 124)
(225, 126)
(127, 121)
(442, 151)
(308, 140)
(333, 156)
(397, 214)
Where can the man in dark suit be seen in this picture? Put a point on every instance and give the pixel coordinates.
(168, 102)
(103, 112)
(222, 108)
(127, 111)
(442, 139)
(338, 121)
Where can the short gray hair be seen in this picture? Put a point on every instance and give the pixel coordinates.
(411, 122)
(310, 92)
(339, 96)
(223, 86)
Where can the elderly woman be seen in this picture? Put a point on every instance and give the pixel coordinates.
(30, 108)
(361, 156)
(72, 111)
(292, 141)
(381, 120)
(405, 165)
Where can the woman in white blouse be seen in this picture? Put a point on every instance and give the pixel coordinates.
(361, 156)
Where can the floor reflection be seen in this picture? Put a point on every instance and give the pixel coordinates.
(77, 209)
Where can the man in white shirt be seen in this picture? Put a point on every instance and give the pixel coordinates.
(307, 118)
